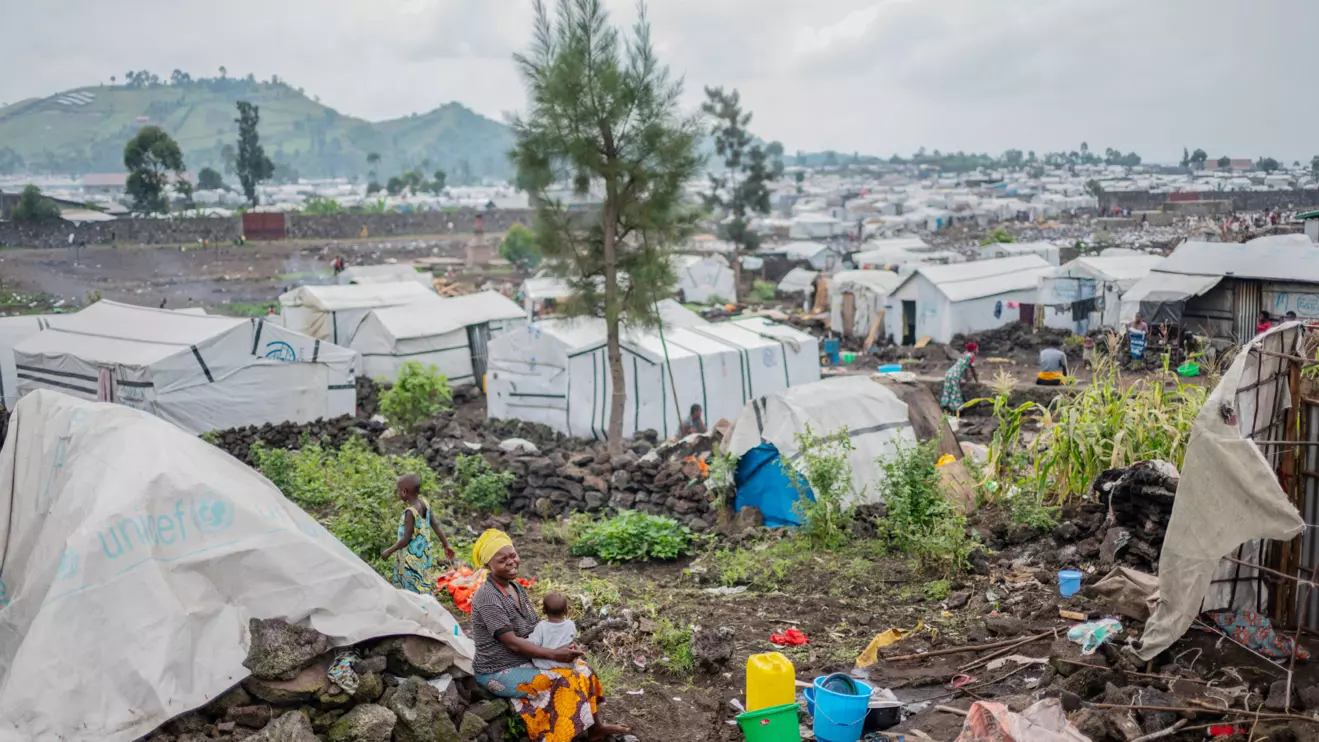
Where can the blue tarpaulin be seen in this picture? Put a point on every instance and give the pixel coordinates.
(762, 483)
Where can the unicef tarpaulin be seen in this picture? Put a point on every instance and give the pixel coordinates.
(133, 556)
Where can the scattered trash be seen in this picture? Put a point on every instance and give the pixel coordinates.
(1256, 632)
(1018, 659)
(519, 444)
(587, 563)
(726, 591)
(1069, 582)
(959, 680)
(1045, 721)
(1091, 635)
(1130, 592)
(341, 671)
(790, 638)
(635, 692)
(440, 683)
(871, 653)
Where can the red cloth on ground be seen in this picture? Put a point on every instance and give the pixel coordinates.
(462, 584)
(790, 638)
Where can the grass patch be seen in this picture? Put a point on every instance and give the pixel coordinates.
(938, 590)
(247, 308)
(610, 672)
(764, 290)
(675, 644)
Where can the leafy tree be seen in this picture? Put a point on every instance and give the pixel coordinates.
(1094, 188)
(1198, 159)
(437, 185)
(223, 72)
(372, 161)
(373, 188)
(394, 185)
(1267, 164)
(742, 189)
(150, 158)
(1186, 157)
(209, 179)
(519, 247)
(1224, 162)
(418, 392)
(604, 112)
(252, 165)
(33, 207)
(799, 177)
(998, 236)
(1013, 158)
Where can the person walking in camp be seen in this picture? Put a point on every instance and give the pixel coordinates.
(951, 399)
(1053, 367)
(413, 569)
(559, 704)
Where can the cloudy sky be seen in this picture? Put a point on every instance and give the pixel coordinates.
(878, 76)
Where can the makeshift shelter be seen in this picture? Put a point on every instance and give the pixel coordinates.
(705, 279)
(385, 273)
(798, 285)
(857, 300)
(817, 256)
(200, 372)
(332, 312)
(945, 300)
(813, 226)
(1047, 250)
(450, 333)
(12, 331)
(1217, 289)
(133, 559)
(1229, 499)
(556, 372)
(764, 436)
(1086, 293)
(538, 290)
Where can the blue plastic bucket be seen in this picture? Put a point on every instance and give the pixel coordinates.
(809, 695)
(890, 368)
(838, 717)
(1069, 582)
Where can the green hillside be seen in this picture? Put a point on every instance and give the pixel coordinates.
(84, 130)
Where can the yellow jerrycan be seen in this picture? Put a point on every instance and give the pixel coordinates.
(771, 681)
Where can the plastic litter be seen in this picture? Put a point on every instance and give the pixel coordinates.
(441, 683)
(1045, 721)
(341, 673)
(870, 655)
(1256, 631)
(1091, 635)
(726, 591)
(790, 638)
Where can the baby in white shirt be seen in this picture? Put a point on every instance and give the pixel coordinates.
(556, 631)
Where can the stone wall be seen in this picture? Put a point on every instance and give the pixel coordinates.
(176, 231)
(1302, 198)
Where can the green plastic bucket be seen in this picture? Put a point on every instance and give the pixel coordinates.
(773, 724)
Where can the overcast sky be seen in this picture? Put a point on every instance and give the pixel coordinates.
(1235, 77)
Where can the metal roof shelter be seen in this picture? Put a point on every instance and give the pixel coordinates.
(946, 300)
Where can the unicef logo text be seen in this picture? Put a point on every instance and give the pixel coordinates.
(189, 521)
(213, 513)
(278, 350)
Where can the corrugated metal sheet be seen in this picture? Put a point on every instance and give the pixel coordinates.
(1287, 257)
(1246, 309)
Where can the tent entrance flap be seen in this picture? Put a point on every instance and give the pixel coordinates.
(762, 483)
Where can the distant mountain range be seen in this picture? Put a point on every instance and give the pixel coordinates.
(84, 130)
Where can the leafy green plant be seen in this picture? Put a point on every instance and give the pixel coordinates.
(350, 491)
(633, 536)
(519, 247)
(719, 483)
(764, 290)
(675, 643)
(938, 590)
(922, 522)
(418, 392)
(822, 475)
(1028, 509)
(997, 236)
(321, 205)
(479, 486)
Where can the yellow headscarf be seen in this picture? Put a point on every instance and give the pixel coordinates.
(488, 545)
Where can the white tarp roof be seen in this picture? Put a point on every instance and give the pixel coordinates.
(1115, 269)
(1287, 257)
(358, 296)
(385, 273)
(980, 278)
(873, 415)
(882, 282)
(111, 333)
(797, 280)
(13, 330)
(130, 569)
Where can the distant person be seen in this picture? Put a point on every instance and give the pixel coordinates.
(415, 563)
(1264, 324)
(1139, 324)
(952, 398)
(270, 311)
(1291, 317)
(557, 631)
(338, 265)
(694, 423)
(1053, 367)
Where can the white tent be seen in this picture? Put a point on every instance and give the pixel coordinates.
(815, 226)
(384, 273)
(200, 372)
(817, 255)
(945, 300)
(875, 419)
(705, 280)
(134, 557)
(556, 372)
(451, 334)
(1098, 283)
(330, 312)
(539, 289)
(1047, 250)
(12, 331)
(868, 292)
(797, 281)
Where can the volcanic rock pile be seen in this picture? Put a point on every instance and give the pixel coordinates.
(237, 442)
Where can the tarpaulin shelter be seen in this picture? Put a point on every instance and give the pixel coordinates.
(333, 312)
(12, 331)
(451, 334)
(705, 279)
(946, 300)
(556, 372)
(133, 559)
(1086, 293)
(1229, 499)
(856, 299)
(384, 273)
(200, 372)
(765, 433)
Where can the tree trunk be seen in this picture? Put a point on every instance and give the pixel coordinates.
(618, 399)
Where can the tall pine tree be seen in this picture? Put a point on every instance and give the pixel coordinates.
(252, 164)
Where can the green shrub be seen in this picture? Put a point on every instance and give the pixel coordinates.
(350, 491)
(1027, 509)
(418, 392)
(922, 522)
(823, 479)
(520, 247)
(479, 486)
(938, 590)
(675, 643)
(633, 536)
(764, 290)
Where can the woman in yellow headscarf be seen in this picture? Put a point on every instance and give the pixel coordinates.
(557, 704)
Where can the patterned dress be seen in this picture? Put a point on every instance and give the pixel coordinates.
(951, 399)
(414, 564)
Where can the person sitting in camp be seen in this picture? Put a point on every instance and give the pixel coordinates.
(1053, 367)
(413, 569)
(1264, 324)
(556, 704)
(951, 399)
(694, 422)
